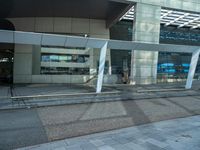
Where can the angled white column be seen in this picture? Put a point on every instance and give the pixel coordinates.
(193, 65)
(132, 82)
(102, 60)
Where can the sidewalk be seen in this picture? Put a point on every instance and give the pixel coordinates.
(26, 127)
(177, 134)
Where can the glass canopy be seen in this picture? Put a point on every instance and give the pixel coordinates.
(173, 17)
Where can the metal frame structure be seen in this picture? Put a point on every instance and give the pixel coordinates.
(102, 61)
(193, 65)
(173, 17)
(43, 39)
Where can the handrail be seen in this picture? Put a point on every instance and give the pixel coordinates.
(55, 95)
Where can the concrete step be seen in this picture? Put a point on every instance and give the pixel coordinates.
(61, 99)
(78, 98)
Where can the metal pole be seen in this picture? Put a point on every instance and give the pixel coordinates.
(102, 61)
(132, 82)
(193, 65)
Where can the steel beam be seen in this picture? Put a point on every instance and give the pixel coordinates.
(19, 37)
(193, 65)
(102, 61)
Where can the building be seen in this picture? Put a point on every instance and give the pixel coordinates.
(151, 21)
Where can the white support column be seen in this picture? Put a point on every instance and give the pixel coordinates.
(193, 65)
(102, 61)
(132, 82)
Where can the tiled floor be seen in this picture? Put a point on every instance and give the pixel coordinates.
(177, 134)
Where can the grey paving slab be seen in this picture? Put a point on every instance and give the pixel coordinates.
(60, 148)
(156, 142)
(109, 141)
(57, 145)
(97, 142)
(133, 146)
(58, 122)
(106, 148)
(150, 146)
(74, 147)
(120, 147)
(185, 139)
(88, 146)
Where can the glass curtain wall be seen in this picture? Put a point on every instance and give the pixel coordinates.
(172, 67)
(121, 59)
(63, 62)
(197, 73)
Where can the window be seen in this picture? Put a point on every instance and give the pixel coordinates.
(54, 58)
(75, 58)
(60, 63)
(4, 60)
(173, 65)
(64, 70)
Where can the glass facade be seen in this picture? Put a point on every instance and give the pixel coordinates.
(62, 62)
(197, 74)
(6, 67)
(106, 69)
(172, 67)
(172, 35)
(73, 58)
(120, 59)
(64, 71)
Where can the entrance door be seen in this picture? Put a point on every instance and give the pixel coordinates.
(6, 65)
(6, 55)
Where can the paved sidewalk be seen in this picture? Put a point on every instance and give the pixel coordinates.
(177, 134)
(26, 127)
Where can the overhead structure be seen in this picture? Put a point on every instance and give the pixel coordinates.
(44, 39)
(18, 37)
(173, 17)
(108, 10)
(193, 65)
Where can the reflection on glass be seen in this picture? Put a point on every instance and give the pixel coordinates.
(64, 70)
(4, 60)
(106, 68)
(75, 58)
(62, 58)
(46, 58)
(54, 58)
(173, 66)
